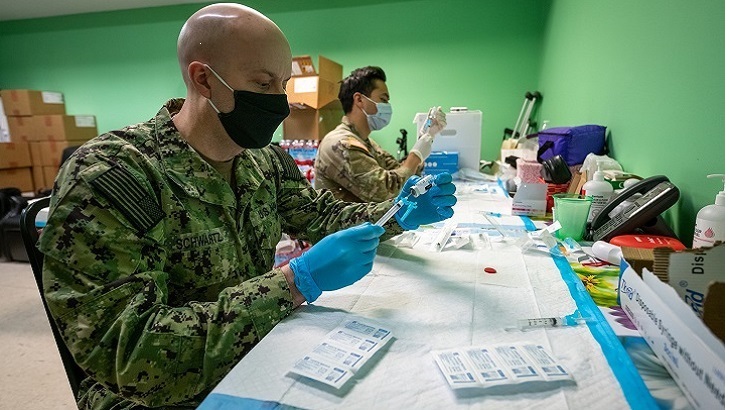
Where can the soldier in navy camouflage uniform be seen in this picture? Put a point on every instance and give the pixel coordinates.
(161, 235)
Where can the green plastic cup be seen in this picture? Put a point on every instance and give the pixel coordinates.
(571, 210)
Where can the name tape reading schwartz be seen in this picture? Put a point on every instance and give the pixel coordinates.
(344, 351)
(492, 365)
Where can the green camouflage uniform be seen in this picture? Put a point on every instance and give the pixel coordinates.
(158, 273)
(357, 169)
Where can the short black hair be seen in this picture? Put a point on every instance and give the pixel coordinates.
(360, 80)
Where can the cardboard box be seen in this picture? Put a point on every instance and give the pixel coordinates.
(63, 128)
(714, 312)
(48, 153)
(44, 177)
(313, 90)
(308, 123)
(638, 258)
(39, 181)
(21, 128)
(441, 161)
(14, 155)
(691, 272)
(689, 351)
(20, 178)
(32, 102)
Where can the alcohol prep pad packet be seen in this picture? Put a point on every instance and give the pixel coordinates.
(493, 365)
(343, 351)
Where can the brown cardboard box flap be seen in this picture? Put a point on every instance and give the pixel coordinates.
(302, 66)
(714, 309)
(311, 89)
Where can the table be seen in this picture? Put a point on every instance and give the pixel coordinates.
(445, 300)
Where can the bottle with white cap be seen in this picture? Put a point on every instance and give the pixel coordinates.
(710, 220)
(600, 190)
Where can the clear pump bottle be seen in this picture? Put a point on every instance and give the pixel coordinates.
(710, 220)
(600, 190)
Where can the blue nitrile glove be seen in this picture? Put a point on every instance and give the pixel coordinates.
(338, 260)
(433, 206)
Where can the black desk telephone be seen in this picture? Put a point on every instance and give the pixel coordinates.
(641, 213)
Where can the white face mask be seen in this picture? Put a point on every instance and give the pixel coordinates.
(381, 118)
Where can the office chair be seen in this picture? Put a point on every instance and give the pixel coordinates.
(30, 238)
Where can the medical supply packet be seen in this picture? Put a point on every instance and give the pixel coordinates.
(343, 351)
(492, 365)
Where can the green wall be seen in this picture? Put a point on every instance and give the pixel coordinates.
(653, 71)
(121, 66)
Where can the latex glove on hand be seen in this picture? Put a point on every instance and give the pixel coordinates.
(423, 145)
(433, 206)
(338, 260)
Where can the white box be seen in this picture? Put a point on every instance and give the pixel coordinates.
(462, 134)
(530, 199)
(690, 352)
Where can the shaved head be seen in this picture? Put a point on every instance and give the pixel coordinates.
(220, 33)
(225, 48)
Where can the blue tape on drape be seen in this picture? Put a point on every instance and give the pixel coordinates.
(634, 388)
(528, 223)
(503, 188)
(217, 401)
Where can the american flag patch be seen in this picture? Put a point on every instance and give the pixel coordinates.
(129, 197)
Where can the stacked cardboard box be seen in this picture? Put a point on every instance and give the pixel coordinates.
(38, 120)
(313, 99)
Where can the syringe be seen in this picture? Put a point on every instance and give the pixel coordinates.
(569, 320)
(428, 120)
(390, 212)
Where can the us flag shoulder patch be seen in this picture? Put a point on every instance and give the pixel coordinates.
(288, 165)
(129, 197)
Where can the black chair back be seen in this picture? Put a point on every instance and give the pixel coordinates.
(30, 236)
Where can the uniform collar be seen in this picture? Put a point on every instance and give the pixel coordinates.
(184, 165)
(350, 126)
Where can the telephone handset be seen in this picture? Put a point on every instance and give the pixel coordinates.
(657, 194)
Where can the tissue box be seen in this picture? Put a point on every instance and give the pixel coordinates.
(441, 161)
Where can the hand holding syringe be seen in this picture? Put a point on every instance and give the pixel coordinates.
(422, 186)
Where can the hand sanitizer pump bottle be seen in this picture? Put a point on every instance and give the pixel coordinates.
(710, 220)
(600, 190)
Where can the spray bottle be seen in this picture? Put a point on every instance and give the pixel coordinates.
(710, 220)
(600, 191)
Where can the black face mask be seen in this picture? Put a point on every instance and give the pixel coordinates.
(254, 118)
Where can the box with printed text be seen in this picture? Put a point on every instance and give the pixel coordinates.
(63, 128)
(441, 161)
(32, 102)
(689, 351)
